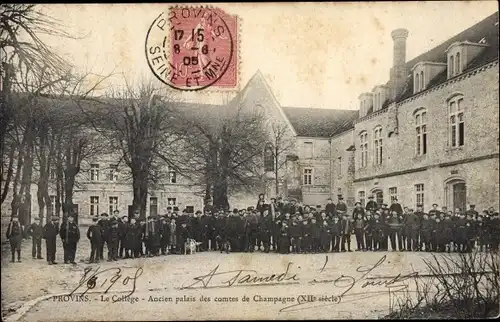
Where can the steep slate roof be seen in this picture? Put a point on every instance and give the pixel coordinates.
(320, 122)
(484, 29)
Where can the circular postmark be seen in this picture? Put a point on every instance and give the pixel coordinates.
(191, 48)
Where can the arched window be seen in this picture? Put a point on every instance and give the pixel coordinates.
(377, 141)
(422, 80)
(457, 64)
(456, 121)
(452, 66)
(363, 144)
(421, 132)
(269, 158)
(417, 82)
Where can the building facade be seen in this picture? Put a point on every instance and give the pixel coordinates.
(428, 135)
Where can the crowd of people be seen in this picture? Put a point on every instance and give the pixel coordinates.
(279, 226)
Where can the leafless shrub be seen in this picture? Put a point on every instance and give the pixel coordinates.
(464, 285)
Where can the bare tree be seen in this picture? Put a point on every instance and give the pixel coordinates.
(139, 122)
(282, 144)
(223, 150)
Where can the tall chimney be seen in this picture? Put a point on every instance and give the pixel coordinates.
(398, 71)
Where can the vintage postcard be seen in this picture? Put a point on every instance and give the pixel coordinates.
(250, 161)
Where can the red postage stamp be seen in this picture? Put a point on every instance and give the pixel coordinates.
(193, 48)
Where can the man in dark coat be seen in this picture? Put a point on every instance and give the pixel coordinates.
(153, 236)
(358, 210)
(165, 234)
(252, 230)
(315, 235)
(94, 234)
(412, 226)
(347, 228)
(205, 230)
(183, 236)
(420, 215)
(428, 226)
(341, 207)
(132, 239)
(70, 235)
(371, 205)
(233, 225)
(395, 206)
(336, 233)
(434, 212)
(330, 207)
(104, 224)
(266, 225)
(113, 240)
(35, 231)
(122, 228)
(472, 212)
(15, 233)
(50, 232)
(260, 202)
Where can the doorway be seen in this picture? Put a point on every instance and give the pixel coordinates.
(456, 194)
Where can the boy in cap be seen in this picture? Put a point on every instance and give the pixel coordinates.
(359, 229)
(94, 234)
(472, 211)
(70, 235)
(426, 232)
(104, 224)
(341, 206)
(347, 229)
(396, 206)
(15, 235)
(434, 212)
(330, 207)
(371, 205)
(132, 239)
(315, 235)
(295, 236)
(113, 240)
(358, 210)
(50, 232)
(336, 232)
(306, 236)
(122, 229)
(165, 235)
(368, 230)
(326, 237)
(35, 230)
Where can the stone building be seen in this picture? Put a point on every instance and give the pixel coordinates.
(428, 135)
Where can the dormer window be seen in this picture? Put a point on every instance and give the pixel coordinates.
(424, 72)
(380, 94)
(461, 53)
(365, 103)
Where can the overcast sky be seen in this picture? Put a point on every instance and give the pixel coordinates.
(312, 54)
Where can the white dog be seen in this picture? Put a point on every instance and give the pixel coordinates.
(191, 246)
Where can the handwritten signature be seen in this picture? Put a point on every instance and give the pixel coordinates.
(109, 278)
(344, 283)
(347, 282)
(243, 277)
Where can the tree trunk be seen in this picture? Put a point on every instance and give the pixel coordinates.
(25, 190)
(16, 198)
(59, 177)
(276, 179)
(10, 172)
(221, 200)
(43, 178)
(140, 187)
